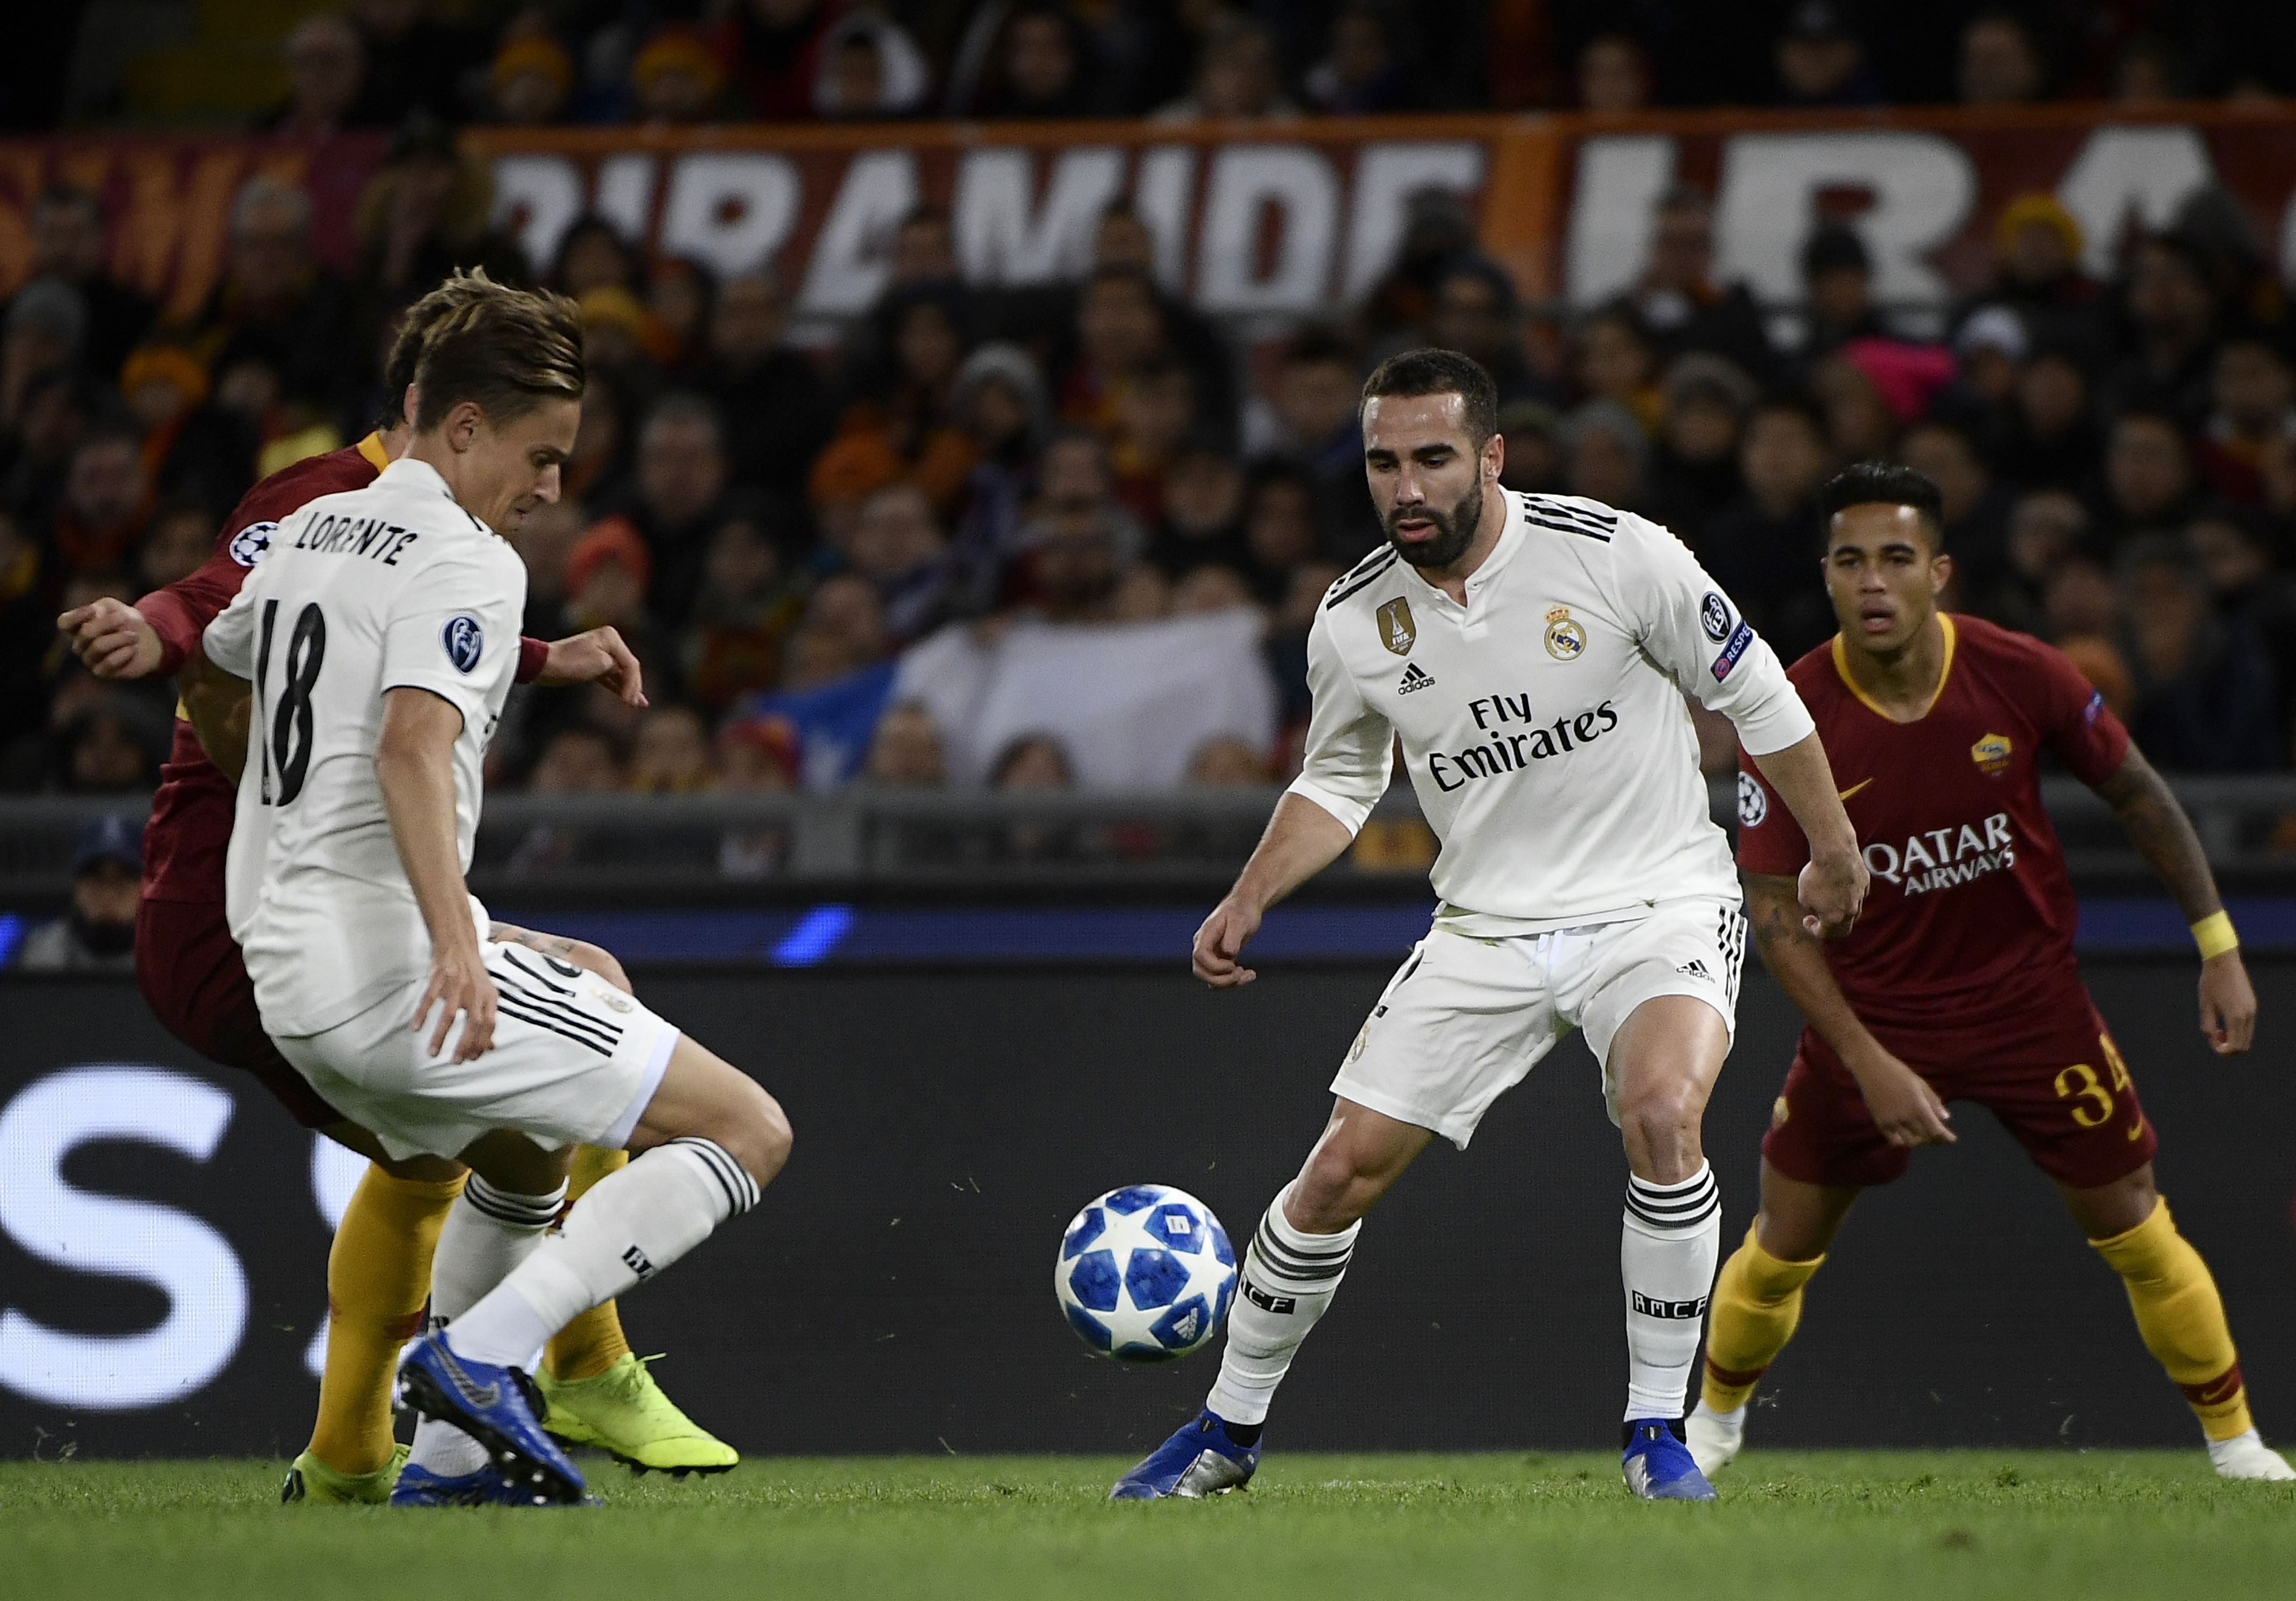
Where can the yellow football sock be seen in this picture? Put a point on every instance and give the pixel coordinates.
(378, 1278)
(2182, 1319)
(1757, 1304)
(593, 1340)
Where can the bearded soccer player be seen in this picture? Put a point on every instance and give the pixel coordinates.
(1959, 983)
(193, 975)
(1532, 654)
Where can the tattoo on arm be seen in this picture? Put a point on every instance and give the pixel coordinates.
(548, 945)
(2157, 826)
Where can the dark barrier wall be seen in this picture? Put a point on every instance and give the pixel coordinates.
(894, 1293)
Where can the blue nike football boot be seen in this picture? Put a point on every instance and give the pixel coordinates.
(420, 1487)
(1198, 1462)
(497, 1406)
(1657, 1465)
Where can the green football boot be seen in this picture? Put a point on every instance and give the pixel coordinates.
(624, 1413)
(312, 1482)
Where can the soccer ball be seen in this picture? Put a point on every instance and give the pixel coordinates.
(1146, 1273)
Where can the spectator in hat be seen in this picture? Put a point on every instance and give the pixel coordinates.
(870, 68)
(2037, 269)
(677, 78)
(1820, 62)
(530, 81)
(98, 934)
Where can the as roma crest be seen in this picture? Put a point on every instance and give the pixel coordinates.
(1397, 631)
(1991, 754)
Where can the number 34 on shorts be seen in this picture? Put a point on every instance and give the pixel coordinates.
(2093, 1098)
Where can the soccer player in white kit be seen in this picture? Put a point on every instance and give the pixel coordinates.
(380, 636)
(1531, 653)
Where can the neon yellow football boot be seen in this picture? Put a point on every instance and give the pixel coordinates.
(313, 1483)
(624, 1413)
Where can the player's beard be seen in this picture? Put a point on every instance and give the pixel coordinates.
(1454, 531)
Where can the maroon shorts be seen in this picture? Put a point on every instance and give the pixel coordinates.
(2054, 1078)
(192, 977)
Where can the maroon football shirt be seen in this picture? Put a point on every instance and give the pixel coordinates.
(1971, 915)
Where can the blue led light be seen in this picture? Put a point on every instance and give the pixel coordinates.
(816, 935)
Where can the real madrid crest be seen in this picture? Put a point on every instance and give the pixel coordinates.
(1566, 642)
(1991, 754)
(1397, 631)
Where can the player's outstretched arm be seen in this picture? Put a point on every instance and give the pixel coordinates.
(112, 639)
(1902, 1105)
(1832, 886)
(579, 954)
(2157, 826)
(598, 657)
(1302, 839)
(415, 767)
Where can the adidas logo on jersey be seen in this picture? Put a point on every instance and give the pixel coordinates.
(1695, 969)
(1414, 677)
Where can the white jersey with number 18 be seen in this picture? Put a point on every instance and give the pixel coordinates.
(391, 587)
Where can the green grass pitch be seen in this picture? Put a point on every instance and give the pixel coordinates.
(1839, 1525)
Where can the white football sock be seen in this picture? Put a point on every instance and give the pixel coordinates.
(1287, 1280)
(489, 1232)
(630, 1226)
(1667, 1250)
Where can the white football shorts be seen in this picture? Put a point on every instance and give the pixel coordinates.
(1465, 1019)
(574, 1061)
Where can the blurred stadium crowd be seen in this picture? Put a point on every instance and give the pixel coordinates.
(846, 563)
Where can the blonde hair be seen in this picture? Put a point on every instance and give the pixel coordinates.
(507, 350)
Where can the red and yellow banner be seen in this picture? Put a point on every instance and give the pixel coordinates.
(1266, 219)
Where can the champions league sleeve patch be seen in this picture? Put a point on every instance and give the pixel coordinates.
(465, 642)
(247, 546)
(1714, 617)
(1741, 637)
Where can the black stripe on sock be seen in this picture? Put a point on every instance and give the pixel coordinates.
(1271, 1257)
(741, 1190)
(519, 1211)
(1676, 1221)
(1701, 1180)
(1309, 1254)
